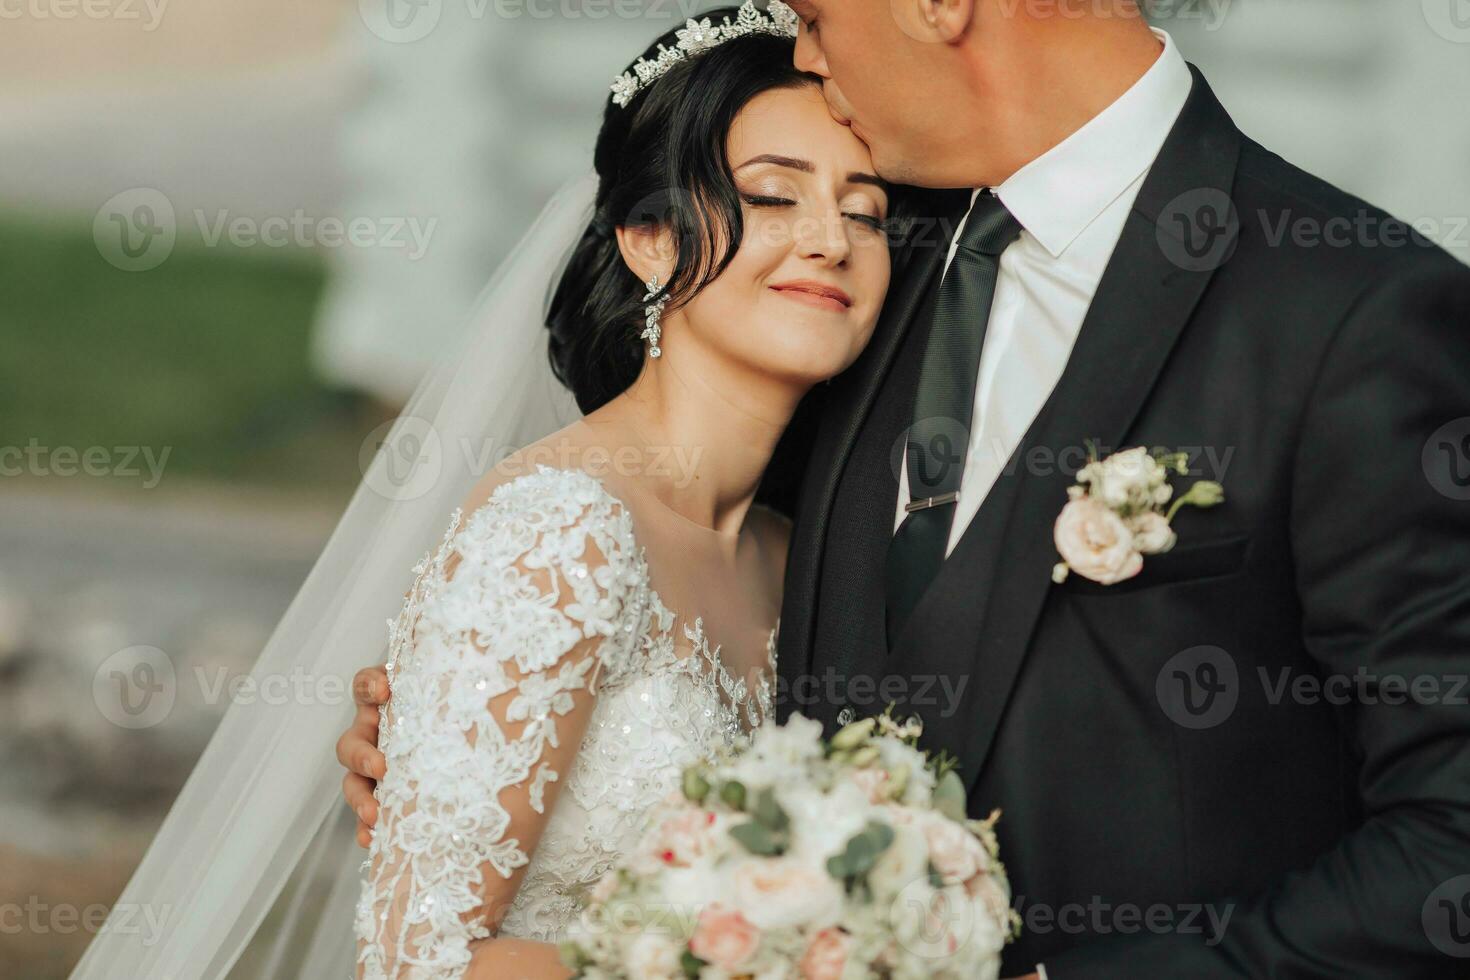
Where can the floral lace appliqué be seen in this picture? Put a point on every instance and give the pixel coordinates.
(550, 596)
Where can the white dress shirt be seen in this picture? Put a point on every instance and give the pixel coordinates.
(1072, 203)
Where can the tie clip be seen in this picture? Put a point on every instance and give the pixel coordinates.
(927, 502)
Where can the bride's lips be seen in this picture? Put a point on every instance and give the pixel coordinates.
(814, 293)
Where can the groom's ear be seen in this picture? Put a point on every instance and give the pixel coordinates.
(934, 21)
(648, 250)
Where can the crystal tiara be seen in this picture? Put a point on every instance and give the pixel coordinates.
(700, 35)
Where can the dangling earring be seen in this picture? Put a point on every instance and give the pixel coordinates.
(653, 313)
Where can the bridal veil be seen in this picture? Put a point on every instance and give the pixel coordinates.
(259, 834)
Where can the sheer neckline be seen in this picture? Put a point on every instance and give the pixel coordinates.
(735, 536)
(749, 702)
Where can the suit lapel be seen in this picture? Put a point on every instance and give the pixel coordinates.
(1146, 297)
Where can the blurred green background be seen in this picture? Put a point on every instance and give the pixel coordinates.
(206, 355)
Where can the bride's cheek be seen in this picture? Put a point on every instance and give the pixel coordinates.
(769, 233)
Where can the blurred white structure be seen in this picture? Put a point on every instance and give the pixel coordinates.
(473, 126)
(475, 123)
(1367, 94)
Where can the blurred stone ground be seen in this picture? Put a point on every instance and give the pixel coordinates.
(202, 573)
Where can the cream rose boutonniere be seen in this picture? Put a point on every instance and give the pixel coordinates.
(1119, 511)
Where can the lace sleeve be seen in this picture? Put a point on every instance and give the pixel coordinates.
(494, 663)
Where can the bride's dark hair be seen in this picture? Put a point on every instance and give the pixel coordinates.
(660, 162)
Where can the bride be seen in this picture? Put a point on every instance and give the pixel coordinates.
(602, 609)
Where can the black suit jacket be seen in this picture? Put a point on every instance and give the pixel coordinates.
(1176, 800)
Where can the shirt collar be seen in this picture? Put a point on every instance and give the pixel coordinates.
(1057, 195)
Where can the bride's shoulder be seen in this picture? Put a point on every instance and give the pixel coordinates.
(537, 509)
(545, 473)
(544, 522)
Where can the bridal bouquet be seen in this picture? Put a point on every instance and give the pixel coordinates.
(795, 857)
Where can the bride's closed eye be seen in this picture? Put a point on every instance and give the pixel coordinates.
(770, 201)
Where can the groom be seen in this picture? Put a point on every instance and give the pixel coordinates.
(1252, 757)
(1217, 767)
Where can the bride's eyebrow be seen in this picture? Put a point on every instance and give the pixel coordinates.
(807, 167)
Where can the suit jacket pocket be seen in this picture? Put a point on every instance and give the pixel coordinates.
(1187, 562)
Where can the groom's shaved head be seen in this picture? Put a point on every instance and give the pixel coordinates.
(962, 93)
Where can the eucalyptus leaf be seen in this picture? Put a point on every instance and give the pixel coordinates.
(949, 796)
(732, 794)
(862, 851)
(769, 812)
(756, 838)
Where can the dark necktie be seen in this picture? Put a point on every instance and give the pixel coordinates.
(939, 435)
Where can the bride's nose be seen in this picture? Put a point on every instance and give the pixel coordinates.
(824, 237)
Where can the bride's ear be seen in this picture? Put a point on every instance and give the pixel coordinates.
(648, 250)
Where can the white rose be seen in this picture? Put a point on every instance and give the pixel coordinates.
(873, 783)
(1123, 478)
(905, 861)
(694, 888)
(920, 786)
(823, 823)
(797, 741)
(1096, 543)
(653, 957)
(991, 897)
(933, 924)
(1152, 534)
(786, 893)
(990, 918)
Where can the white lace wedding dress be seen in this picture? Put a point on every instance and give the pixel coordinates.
(534, 621)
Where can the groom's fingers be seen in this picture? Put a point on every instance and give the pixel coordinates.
(357, 749)
(359, 793)
(370, 686)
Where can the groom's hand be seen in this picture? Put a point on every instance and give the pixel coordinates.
(357, 750)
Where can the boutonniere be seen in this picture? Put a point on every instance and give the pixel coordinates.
(1116, 513)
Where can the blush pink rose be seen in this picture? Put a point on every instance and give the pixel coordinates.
(1096, 543)
(724, 937)
(955, 852)
(825, 956)
(683, 837)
